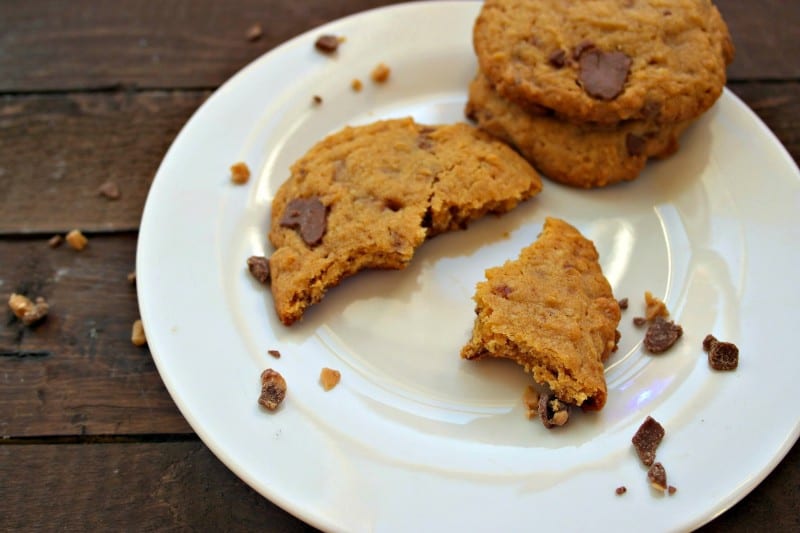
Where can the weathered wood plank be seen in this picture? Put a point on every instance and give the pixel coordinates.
(181, 485)
(56, 151)
(85, 44)
(77, 372)
(143, 487)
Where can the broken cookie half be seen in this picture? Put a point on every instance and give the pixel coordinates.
(368, 196)
(553, 312)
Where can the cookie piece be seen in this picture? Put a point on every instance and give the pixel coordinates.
(368, 196)
(581, 155)
(607, 60)
(553, 312)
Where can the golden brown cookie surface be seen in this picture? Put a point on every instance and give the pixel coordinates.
(606, 60)
(553, 312)
(368, 196)
(582, 155)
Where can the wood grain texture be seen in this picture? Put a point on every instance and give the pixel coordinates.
(182, 486)
(56, 151)
(129, 487)
(77, 373)
(87, 44)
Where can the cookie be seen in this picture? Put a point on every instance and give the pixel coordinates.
(582, 155)
(368, 196)
(553, 312)
(606, 60)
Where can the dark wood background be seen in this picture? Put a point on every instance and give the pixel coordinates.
(93, 91)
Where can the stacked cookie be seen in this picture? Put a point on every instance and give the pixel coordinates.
(587, 91)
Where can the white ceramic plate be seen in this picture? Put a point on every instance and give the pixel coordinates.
(414, 438)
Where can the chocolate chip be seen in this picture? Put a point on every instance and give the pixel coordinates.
(557, 58)
(316, 99)
(672, 490)
(603, 74)
(327, 44)
(646, 440)
(639, 321)
(259, 268)
(621, 490)
(309, 216)
(635, 144)
(274, 353)
(657, 476)
(723, 356)
(424, 142)
(709, 341)
(502, 290)
(552, 411)
(661, 335)
(650, 110)
(582, 47)
(623, 303)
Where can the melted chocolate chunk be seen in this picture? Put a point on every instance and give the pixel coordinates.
(647, 439)
(259, 268)
(603, 74)
(327, 44)
(582, 47)
(661, 335)
(557, 58)
(635, 144)
(308, 216)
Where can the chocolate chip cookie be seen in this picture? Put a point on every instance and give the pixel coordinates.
(582, 155)
(606, 60)
(368, 196)
(553, 312)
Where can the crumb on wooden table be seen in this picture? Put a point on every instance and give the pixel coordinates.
(77, 240)
(55, 241)
(27, 311)
(254, 32)
(137, 333)
(110, 190)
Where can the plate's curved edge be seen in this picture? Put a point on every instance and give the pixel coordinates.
(319, 519)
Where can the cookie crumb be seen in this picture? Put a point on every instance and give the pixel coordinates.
(110, 190)
(380, 73)
(553, 411)
(356, 85)
(623, 303)
(316, 99)
(254, 32)
(657, 476)
(259, 268)
(137, 333)
(240, 173)
(55, 241)
(530, 398)
(327, 44)
(274, 353)
(273, 389)
(621, 490)
(646, 440)
(329, 378)
(654, 307)
(77, 240)
(721, 355)
(27, 311)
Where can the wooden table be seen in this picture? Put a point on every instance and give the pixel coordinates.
(93, 91)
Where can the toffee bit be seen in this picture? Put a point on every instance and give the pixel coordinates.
(138, 337)
(77, 240)
(646, 440)
(240, 173)
(329, 378)
(380, 73)
(27, 311)
(657, 476)
(327, 44)
(55, 241)
(273, 389)
(110, 190)
(259, 268)
(254, 32)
